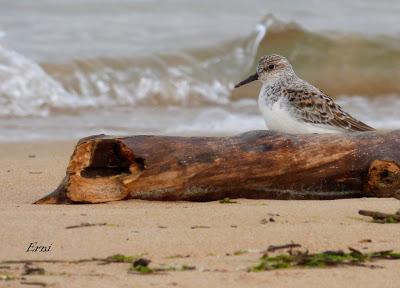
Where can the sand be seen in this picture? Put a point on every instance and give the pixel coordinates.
(204, 235)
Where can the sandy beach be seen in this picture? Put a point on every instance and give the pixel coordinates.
(220, 240)
(70, 69)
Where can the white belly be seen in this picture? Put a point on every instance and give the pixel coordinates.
(279, 119)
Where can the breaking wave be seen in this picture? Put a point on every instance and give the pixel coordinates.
(26, 89)
(340, 64)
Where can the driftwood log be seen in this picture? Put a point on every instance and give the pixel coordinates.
(257, 164)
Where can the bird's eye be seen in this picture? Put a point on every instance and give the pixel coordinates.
(272, 66)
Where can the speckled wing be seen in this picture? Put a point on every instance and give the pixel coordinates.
(313, 106)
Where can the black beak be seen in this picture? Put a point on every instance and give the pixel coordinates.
(248, 80)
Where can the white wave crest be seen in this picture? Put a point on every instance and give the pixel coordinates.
(25, 89)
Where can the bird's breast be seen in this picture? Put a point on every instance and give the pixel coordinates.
(279, 116)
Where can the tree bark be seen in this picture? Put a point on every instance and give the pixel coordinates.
(257, 164)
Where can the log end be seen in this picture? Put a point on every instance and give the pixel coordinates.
(58, 196)
(98, 172)
(383, 179)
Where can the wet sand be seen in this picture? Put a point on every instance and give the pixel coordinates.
(204, 235)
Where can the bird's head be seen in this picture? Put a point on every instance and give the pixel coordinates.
(269, 68)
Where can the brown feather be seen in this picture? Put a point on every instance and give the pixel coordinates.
(318, 108)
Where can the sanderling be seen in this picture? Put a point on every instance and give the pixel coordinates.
(292, 105)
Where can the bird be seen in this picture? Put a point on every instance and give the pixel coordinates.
(290, 104)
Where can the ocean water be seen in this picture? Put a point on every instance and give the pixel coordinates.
(73, 68)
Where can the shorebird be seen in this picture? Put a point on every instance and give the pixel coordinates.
(292, 105)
